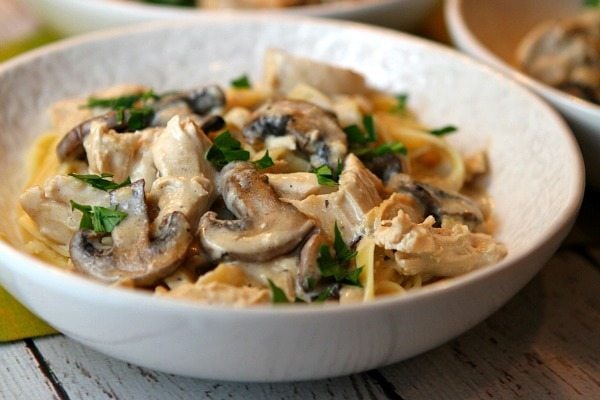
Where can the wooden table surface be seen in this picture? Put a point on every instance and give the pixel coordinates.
(543, 344)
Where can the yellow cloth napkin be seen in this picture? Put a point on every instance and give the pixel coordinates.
(16, 322)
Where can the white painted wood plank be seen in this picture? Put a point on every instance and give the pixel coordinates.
(544, 344)
(86, 374)
(20, 377)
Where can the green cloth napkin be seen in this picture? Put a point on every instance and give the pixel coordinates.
(17, 322)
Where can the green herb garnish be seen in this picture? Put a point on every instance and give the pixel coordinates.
(337, 266)
(242, 82)
(99, 219)
(139, 118)
(401, 102)
(120, 103)
(277, 294)
(368, 153)
(443, 130)
(326, 176)
(357, 137)
(225, 149)
(100, 181)
(591, 3)
(265, 162)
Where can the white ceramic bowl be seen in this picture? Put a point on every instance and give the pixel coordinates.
(78, 16)
(491, 30)
(536, 182)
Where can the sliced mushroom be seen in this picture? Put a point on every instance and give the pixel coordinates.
(444, 206)
(316, 131)
(387, 165)
(206, 101)
(266, 227)
(71, 145)
(133, 255)
(307, 266)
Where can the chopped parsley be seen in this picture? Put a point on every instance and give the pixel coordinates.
(226, 149)
(361, 143)
(100, 181)
(401, 103)
(367, 153)
(337, 266)
(132, 110)
(591, 3)
(121, 103)
(265, 162)
(277, 294)
(357, 137)
(242, 82)
(139, 118)
(326, 176)
(99, 219)
(443, 130)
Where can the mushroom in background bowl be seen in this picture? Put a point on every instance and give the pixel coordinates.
(285, 342)
(495, 31)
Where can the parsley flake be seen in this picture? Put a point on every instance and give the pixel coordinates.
(100, 181)
(120, 103)
(277, 294)
(242, 82)
(326, 176)
(401, 103)
(356, 136)
(225, 149)
(265, 162)
(443, 130)
(97, 218)
(368, 153)
(337, 266)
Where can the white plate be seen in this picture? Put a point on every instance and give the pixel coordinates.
(536, 182)
(78, 16)
(491, 30)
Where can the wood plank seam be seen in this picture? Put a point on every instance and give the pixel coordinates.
(46, 370)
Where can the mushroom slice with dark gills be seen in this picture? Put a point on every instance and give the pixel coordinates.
(203, 104)
(445, 206)
(315, 131)
(133, 256)
(266, 227)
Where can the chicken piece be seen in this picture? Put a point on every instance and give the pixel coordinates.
(283, 71)
(123, 155)
(359, 191)
(180, 149)
(49, 205)
(423, 249)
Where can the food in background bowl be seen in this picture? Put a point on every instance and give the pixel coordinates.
(306, 187)
(565, 54)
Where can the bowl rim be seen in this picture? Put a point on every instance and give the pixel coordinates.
(464, 38)
(72, 283)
